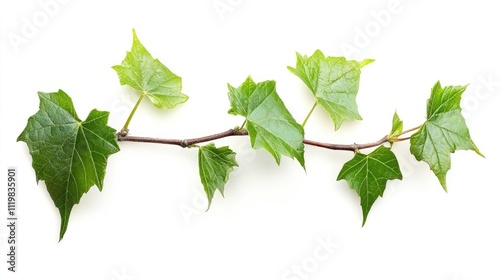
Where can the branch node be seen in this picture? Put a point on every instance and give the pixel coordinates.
(184, 143)
(356, 148)
(122, 133)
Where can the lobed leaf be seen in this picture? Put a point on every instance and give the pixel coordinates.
(215, 165)
(334, 81)
(269, 123)
(151, 77)
(70, 155)
(368, 175)
(444, 131)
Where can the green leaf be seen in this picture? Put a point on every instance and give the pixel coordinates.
(70, 155)
(444, 131)
(397, 128)
(270, 125)
(368, 175)
(149, 76)
(334, 81)
(215, 164)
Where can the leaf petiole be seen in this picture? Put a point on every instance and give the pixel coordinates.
(396, 138)
(124, 130)
(411, 130)
(309, 114)
(243, 125)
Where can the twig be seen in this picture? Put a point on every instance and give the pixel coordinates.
(184, 143)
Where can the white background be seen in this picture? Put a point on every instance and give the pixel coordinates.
(149, 221)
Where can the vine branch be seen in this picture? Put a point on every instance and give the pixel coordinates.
(347, 147)
(185, 143)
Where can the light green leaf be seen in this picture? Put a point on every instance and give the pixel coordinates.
(215, 164)
(70, 155)
(334, 81)
(444, 131)
(397, 128)
(368, 175)
(149, 76)
(270, 125)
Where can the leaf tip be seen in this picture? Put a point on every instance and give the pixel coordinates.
(303, 164)
(364, 221)
(365, 214)
(209, 204)
(476, 149)
(442, 180)
(64, 224)
(20, 137)
(134, 35)
(249, 79)
(366, 62)
(437, 86)
(319, 53)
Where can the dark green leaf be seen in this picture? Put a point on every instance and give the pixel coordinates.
(368, 175)
(149, 76)
(270, 125)
(215, 164)
(444, 131)
(334, 81)
(70, 155)
(239, 97)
